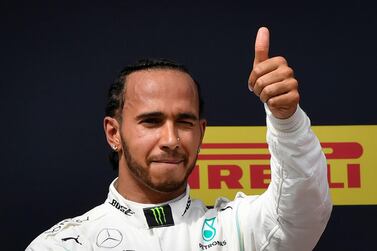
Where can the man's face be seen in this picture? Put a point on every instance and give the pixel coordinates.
(161, 131)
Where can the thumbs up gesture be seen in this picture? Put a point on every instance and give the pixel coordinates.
(272, 80)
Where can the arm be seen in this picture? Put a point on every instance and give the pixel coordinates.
(298, 197)
(293, 212)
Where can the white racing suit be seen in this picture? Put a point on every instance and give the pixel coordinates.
(291, 215)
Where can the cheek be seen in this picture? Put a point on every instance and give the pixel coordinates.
(140, 142)
(191, 142)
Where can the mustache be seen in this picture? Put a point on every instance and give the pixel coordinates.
(173, 155)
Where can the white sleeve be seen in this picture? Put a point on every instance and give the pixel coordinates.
(57, 243)
(63, 236)
(293, 212)
(45, 246)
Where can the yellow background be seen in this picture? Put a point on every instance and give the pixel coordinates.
(364, 135)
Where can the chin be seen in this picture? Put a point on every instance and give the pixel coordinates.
(169, 186)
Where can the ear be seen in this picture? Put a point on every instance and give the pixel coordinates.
(112, 132)
(203, 124)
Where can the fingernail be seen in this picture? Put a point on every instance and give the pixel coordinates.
(250, 88)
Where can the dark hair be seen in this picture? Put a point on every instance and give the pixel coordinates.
(116, 93)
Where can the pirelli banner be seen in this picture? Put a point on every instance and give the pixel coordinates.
(235, 158)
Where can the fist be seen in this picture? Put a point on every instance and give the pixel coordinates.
(272, 80)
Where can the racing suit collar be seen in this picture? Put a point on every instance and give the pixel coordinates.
(134, 212)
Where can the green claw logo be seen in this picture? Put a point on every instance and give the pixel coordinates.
(208, 229)
(159, 215)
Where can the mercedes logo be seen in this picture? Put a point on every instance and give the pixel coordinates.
(109, 238)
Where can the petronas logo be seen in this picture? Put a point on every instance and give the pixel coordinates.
(159, 215)
(208, 229)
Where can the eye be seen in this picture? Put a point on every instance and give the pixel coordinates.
(187, 123)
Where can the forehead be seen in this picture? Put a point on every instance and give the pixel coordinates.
(160, 87)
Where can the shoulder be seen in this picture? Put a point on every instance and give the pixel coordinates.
(70, 231)
(81, 221)
(224, 206)
(239, 199)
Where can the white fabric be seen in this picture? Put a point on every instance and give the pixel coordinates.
(291, 215)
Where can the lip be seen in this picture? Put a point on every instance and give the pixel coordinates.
(168, 161)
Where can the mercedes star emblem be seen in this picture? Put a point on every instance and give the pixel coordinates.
(109, 238)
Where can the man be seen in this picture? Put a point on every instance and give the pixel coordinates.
(155, 127)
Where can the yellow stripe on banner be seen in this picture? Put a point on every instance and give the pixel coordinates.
(236, 158)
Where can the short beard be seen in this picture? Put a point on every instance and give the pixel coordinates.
(140, 173)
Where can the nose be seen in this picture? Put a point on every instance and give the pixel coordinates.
(169, 138)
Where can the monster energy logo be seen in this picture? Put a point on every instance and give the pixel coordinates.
(160, 216)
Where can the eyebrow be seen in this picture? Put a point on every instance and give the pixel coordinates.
(187, 115)
(184, 115)
(149, 115)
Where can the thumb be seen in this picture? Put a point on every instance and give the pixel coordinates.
(262, 44)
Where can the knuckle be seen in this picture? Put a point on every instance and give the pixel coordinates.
(263, 97)
(257, 70)
(281, 60)
(296, 97)
(266, 94)
(271, 102)
(294, 83)
(259, 83)
(289, 71)
(268, 91)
